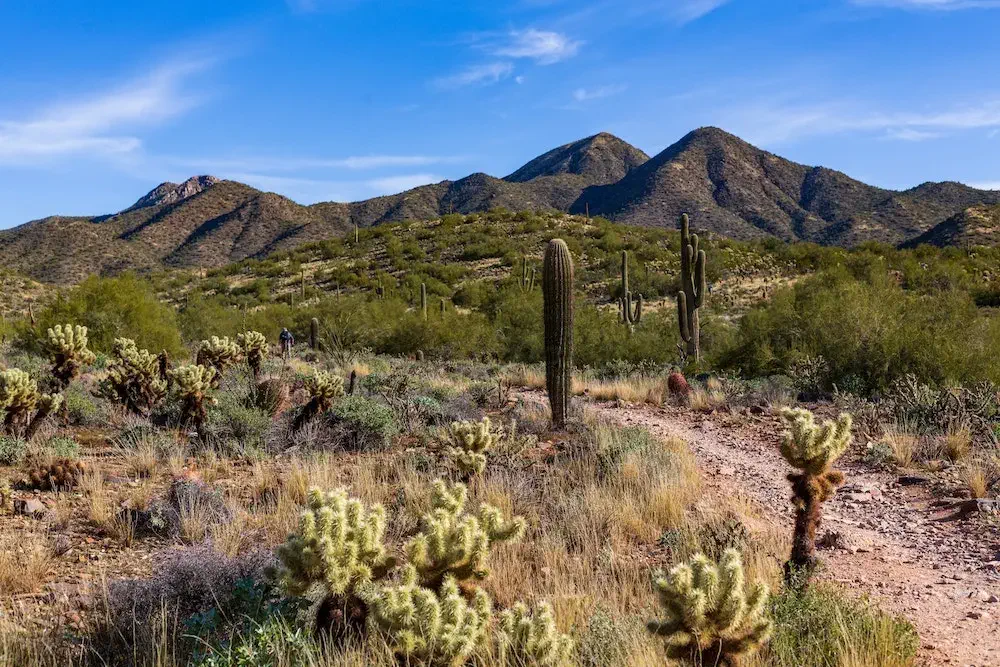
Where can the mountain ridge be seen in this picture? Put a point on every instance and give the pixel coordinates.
(728, 186)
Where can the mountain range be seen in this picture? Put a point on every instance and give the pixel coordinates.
(728, 186)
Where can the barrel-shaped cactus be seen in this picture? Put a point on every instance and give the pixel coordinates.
(22, 405)
(557, 293)
(812, 449)
(711, 616)
(529, 637)
(454, 543)
(693, 289)
(134, 379)
(193, 384)
(467, 442)
(629, 306)
(66, 346)
(433, 627)
(254, 346)
(219, 354)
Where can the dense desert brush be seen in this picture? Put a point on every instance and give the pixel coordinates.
(711, 617)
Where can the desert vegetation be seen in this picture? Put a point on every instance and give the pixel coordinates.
(426, 480)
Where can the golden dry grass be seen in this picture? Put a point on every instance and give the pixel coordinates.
(24, 562)
(904, 445)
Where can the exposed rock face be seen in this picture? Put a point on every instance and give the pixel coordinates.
(171, 193)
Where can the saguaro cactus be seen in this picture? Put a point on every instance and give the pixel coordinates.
(423, 299)
(527, 280)
(711, 619)
(557, 293)
(67, 349)
(693, 290)
(630, 315)
(313, 333)
(812, 449)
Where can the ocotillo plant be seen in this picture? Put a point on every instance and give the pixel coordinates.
(557, 293)
(692, 295)
(527, 280)
(630, 315)
(423, 299)
(313, 334)
(812, 449)
(711, 619)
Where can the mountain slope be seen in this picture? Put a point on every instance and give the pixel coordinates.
(727, 185)
(976, 225)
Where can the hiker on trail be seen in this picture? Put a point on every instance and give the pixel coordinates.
(287, 340)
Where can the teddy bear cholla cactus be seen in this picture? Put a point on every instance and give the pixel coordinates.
(424, 627)
(254, 346)
(711, 619)
(219, 354)
(191, 384)
(466, 443)
(337, 551)
(24, 407)
(811, 448)
(530, 637)
(66, 346)
(134, 378)
(323, 389)
(453, 543)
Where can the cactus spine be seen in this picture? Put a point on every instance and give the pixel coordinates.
(711, 618)
(557, 293)
(692, 295)
(630, 315)
(812, 449)
(423, 299)
(313, 334)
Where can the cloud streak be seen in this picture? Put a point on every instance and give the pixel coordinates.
(587, 94)
(475, 75)
(545, 47)
(938, 5)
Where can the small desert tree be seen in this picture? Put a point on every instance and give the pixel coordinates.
(67, 348)
(812, 449)
(711, 619)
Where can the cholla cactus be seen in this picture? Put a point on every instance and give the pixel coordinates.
(711, 619)
(529, 637)
(68, 352)
(453, 543)
(192, 384)
(220, 354)
(422, 627)
(339, 544)
(466, 442)
(134, 378)
(812, 449)
(323, 389)
(254, 345)
(6, 494)
(22, 405)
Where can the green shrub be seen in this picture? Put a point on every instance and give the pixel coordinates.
(365, 423)
(63, 447)
(83, 408)
(12, 450)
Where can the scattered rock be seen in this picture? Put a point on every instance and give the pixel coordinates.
(30, 507)
(912, 480)
(978, 615)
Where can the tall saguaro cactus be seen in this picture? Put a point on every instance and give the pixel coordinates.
(313, 334)
(692, 295)
(557, 294)
(527, 280)
(423, 299)
(630, 315)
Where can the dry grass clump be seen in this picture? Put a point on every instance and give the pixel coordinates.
(24, 563)
(904, 445)
(957, 444)
(981, 475)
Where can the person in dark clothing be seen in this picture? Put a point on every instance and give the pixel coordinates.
(287, 340)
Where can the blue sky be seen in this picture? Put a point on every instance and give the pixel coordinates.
(347, 99)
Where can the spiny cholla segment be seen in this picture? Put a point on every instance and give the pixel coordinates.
(711, 618)
(67, 349)
(529, 637)
(466, 442)
(133, 377)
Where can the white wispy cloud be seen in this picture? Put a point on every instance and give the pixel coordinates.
(772, 123)
(476, 75)
(944, 5)
(587, 94)
(291, 164)
(103, 124)
(545, 47)
(685, 11)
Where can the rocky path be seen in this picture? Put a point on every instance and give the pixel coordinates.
(894, 542)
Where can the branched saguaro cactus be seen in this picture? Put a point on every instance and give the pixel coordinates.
(526, 282)
(812, 449)
(337, 552)
(423, 299)
(467, 442)
(192, 384)
(219, 354)
(66, 346)
(453, 543)
(630, 315)
(424, 627)
(133, 378)
(323, 389)
(557, 293)
(693, 289)
(254, 346)
(711, 619)
(530, 637)
(24, 407)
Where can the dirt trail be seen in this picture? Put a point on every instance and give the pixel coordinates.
(940, 571)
